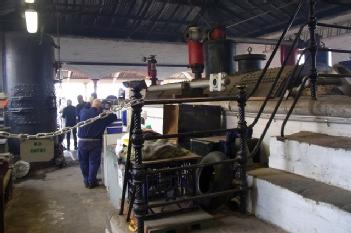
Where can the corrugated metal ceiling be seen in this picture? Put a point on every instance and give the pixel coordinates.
(161, 20)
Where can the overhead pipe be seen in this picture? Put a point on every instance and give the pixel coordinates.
(263, 41)
(94, 63)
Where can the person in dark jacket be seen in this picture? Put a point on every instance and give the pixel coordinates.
(90, 142)
(80, 106)
(70, 116)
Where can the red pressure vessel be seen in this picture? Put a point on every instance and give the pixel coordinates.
(217, 33)
(195, 53)
(284, 50)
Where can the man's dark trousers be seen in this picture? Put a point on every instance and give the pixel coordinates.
(89, 155)
(68, 138)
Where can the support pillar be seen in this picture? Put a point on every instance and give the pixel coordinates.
(312, 24)
(138, 169)
(95, 81)
(242, 126)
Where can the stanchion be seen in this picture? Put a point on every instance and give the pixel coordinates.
(139, 206)
(242, 126)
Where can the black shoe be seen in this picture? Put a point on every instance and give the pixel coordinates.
(75, 148)
(93, 185)
(86, 185)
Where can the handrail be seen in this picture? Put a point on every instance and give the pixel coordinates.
(290, 23)
(278, 77)
(302, 87)
(286, 86)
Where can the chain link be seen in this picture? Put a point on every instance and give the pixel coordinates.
(124, 105)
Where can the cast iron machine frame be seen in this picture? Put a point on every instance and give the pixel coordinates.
(139, 173)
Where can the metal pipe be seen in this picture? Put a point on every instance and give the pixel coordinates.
(202, 196)
(93, 63)
(263, 41)
(178, 86)
(333, 26)
(166, 87)
(188, 134)
(191, 167)
(189, 100)
(335, 75)
(335, 50)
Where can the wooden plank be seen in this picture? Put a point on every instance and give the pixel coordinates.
(180, 223)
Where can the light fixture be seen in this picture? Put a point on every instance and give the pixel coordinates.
(29, 1)
(31, 20)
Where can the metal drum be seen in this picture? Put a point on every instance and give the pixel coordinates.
(218, 56)
(29, 83)
(249, 62)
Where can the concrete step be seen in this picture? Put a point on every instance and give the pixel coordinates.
(224, 221)
(298, 204)
(321, 157)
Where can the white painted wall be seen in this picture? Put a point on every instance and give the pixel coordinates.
(105, 50)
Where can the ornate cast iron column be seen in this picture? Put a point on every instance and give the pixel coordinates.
(138, 141)
(243, 152)
(312, 24)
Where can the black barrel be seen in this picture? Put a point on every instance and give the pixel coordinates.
(29, 82)
(218, 57)
(249, 62)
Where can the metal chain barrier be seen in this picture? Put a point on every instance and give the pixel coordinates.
(116, 108)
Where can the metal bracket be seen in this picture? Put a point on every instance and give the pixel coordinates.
(217, 82)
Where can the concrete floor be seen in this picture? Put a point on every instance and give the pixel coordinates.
(56, 201)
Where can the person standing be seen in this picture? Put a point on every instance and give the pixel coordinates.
(90, 142)
(70, 116)
(80, 106)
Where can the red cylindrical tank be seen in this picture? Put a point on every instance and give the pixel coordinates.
(284, 51)
(195, 53)
(217, 33)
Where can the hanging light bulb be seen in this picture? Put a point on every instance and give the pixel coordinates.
(31, 20)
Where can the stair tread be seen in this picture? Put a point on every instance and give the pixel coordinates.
(308, 188)
(324, 140)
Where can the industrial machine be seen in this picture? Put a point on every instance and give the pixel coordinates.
(222, 83)
(29, 84)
